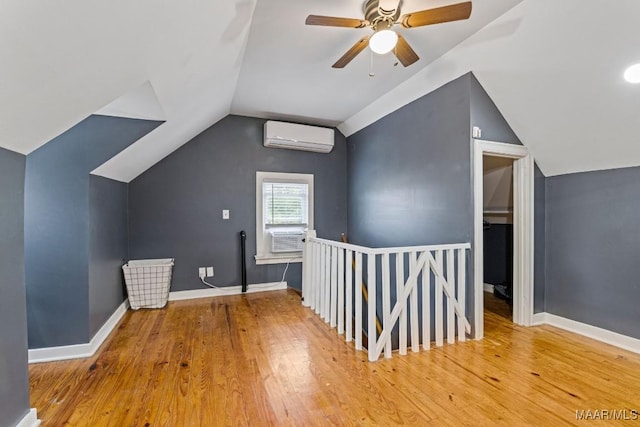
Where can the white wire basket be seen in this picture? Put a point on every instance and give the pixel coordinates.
(148, 282)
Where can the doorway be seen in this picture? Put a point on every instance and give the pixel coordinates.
(497, 226)
(522, 213)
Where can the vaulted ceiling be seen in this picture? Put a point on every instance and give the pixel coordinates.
(553, 68)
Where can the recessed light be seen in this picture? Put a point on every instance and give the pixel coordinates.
(632, 74)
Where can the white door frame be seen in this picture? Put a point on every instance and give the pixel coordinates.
(523, 170)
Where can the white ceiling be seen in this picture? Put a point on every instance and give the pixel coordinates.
(552, 67)
(62, 61)
(287, 65)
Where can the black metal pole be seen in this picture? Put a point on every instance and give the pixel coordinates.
(243, 238)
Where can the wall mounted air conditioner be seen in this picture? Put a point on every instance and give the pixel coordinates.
(298, 137)
(287, 241)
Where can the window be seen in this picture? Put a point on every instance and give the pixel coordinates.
(284, 205)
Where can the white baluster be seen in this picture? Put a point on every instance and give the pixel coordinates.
(320, 276)
(403, 313)
(327, 283)
(334, 286)
(341, 291)
(371, 321)
(415, 332)
(451, 314)
(349, 295)
(426, 306)
(358, 297)
(310, 294)
(386, 302)
(438, 301)
(306, 269)
(461, 292)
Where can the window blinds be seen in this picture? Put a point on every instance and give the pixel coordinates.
(285, 203)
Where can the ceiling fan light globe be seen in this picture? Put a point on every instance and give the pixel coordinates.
(383, 41)
(632, 74)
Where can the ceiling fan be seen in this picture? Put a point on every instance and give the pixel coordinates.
(381, 16)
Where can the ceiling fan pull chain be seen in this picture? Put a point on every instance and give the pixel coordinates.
(371, 72)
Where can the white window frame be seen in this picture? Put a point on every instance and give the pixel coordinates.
(263, 239)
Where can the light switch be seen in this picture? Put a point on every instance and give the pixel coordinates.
(209, 271)
(225, 214)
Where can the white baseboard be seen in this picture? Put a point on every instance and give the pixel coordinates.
(539, 319)
(77, 351)
(29, 420)
(622, 341)
(488, 287)
(230, 290)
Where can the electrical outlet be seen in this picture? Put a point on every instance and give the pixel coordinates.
(225, 214)
(202, 272)
(209, 271)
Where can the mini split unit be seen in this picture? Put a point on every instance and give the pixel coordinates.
(298, 137)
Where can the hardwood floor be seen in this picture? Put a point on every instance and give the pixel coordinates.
(497, 306)
(263, 359)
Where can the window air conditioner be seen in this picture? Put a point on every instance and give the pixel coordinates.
(298, 137)
(287, 241)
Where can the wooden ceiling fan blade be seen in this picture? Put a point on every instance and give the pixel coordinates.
(405, 54)
(353, 52)
(454, 12)
(333, 21)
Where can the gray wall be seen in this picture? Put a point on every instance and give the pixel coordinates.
(14, 377)
(486, 115)
(108, 247)
(57, 225)
(593, 241)
(410, 175)
(175, 208)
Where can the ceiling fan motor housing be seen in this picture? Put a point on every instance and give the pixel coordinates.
(374, 14)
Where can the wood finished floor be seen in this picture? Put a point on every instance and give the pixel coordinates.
(263, 359)
(497, 306)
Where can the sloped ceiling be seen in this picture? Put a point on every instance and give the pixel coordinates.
(62, 61)
(287, 66)
(553, 68)
(497, 184)
(555, 71)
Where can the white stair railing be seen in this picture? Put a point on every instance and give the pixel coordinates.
(331, 286)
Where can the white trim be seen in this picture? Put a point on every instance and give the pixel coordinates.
(539, 319)
(380, 251)
(523, 230)
(487, 287)
(30, 420)
(603, 335)
(501, 149)
(277, 259)
(523, 240)
(77, 351)
(229, 290)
